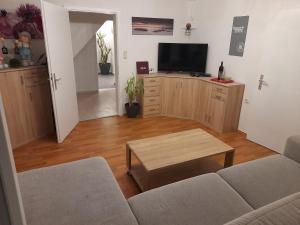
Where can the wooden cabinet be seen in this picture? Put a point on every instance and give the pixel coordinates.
(215, 105)
(177, 95)
(27, 102)
(201, 101)
(169, 96)
(150, 100)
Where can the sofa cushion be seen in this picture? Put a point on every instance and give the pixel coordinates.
(264, 181)
(285, 211)
(78, 193)
(205, 199)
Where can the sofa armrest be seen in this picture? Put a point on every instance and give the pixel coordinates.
(292, 148)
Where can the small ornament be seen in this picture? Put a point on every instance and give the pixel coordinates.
(4, 50)
(188, 29)
(22, 48)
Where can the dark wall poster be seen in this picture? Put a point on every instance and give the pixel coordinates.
(238, 35)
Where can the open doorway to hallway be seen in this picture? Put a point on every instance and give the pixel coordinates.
(95, 84)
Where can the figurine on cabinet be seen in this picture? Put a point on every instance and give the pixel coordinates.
(2, 64)
(22, 48)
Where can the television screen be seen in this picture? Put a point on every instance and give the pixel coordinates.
(182, 57)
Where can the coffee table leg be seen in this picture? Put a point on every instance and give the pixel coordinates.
(128, 159)
(229, 157)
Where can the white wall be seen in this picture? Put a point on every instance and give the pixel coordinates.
(83, 32)
(213, 19)
(138, 47)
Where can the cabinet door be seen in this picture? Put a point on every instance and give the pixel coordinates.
(217, 113)
(203, 105)
(38, 99)
(12, 91)
(185, 100)
(169, 96)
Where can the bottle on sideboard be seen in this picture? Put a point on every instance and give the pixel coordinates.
(221, 71)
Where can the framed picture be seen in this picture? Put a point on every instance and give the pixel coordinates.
(152, 26)
(27, 17)
(238, 35)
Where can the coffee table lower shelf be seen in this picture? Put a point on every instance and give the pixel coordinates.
(148, 180)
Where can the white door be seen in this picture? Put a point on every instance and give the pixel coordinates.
(275, 109)
(61, 67)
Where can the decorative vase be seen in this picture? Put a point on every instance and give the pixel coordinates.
(104, 68)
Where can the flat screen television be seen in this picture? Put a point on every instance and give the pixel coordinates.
(174, 57)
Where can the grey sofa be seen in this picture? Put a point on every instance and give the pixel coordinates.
(264, 191)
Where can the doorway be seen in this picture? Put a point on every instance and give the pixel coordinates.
(274, 111)
(96, 89)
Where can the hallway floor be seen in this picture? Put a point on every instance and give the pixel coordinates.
(99, 104)
(106, 81)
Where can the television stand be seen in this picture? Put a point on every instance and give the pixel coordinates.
(200, 74)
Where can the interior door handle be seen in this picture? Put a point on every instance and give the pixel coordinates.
(56, 80)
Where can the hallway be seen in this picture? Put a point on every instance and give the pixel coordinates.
(99, 104)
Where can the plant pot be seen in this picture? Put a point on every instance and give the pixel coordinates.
(104, 68)
(132, 110)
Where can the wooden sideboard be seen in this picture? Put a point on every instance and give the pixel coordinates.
(27, 103)
(213, 104)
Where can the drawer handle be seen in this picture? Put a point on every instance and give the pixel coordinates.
(218, 97)
(152, 100)
(152, 90)
(151, 110)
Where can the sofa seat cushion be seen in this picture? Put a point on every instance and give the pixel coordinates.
(285, 211)
(202, 200)
(264, 181)
(77, 193)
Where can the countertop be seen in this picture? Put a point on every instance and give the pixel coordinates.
(21, 68)
(188, 76)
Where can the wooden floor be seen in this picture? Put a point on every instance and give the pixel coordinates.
(107, 137)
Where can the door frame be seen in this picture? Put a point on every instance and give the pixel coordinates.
(116, 20)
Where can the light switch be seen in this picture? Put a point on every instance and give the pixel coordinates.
(125, 54)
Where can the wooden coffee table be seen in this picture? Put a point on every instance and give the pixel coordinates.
(171, 150)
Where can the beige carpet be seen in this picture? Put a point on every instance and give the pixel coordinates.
(98, 104)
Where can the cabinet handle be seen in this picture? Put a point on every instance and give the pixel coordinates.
(30, 96)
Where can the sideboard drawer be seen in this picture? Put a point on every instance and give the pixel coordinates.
(151, 101)
(151, 81)
(219, 96)
(151, 110)
(151, 91)
(220, 89)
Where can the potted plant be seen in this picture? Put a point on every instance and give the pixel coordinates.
(133, 89)
(104, 53)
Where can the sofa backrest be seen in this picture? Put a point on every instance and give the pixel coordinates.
(292, 148)
(282, 212)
